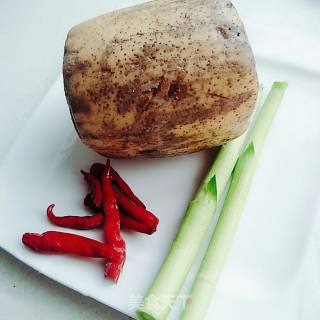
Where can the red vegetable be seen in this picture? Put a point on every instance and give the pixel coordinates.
(75, 222)
(103, 201)
(128, 222)
(61, 242)
(97, 170)
(87, 201)
(125, 220)
(138, 213)
(112, 225)
(94, 183)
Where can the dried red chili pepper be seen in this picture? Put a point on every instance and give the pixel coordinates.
(68, 243)
(101, 198)
(125, 220)
(128, 222)
(96, 191)
(97, 169)
(112, 225)
(87, 201)
(138, 213)
(75, 222)
(125, 188)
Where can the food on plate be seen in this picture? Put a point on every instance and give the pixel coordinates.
(160, 79)
(68, 243)
(108, 193)
(75, 222)
(128, 202)
(177, 264)
(132, 224)
(230, 215)
(111, 227)
(97, 169)
(94, 184)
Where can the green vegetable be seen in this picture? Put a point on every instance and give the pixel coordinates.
(178, 262)
(212, 264)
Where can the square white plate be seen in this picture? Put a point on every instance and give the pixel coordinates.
(273, 269)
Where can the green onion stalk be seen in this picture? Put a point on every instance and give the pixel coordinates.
(210, 269)
(193, 228)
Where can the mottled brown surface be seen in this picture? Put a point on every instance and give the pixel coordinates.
(162, 78)
(223, 32)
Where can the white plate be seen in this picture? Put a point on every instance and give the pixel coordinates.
(273, 269)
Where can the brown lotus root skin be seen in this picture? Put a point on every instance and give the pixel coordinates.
(160, 79)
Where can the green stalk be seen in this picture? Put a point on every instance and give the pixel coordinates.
(219, 245)
(178, 262)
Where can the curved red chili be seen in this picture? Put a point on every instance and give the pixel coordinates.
(112, 225)
(75, 222)
(138, 213)
(94, 183)
(68, 243)
(128, 222)
(88, 202)
(125, 220)
(97, 170)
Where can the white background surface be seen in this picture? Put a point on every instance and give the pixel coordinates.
(34, 33)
